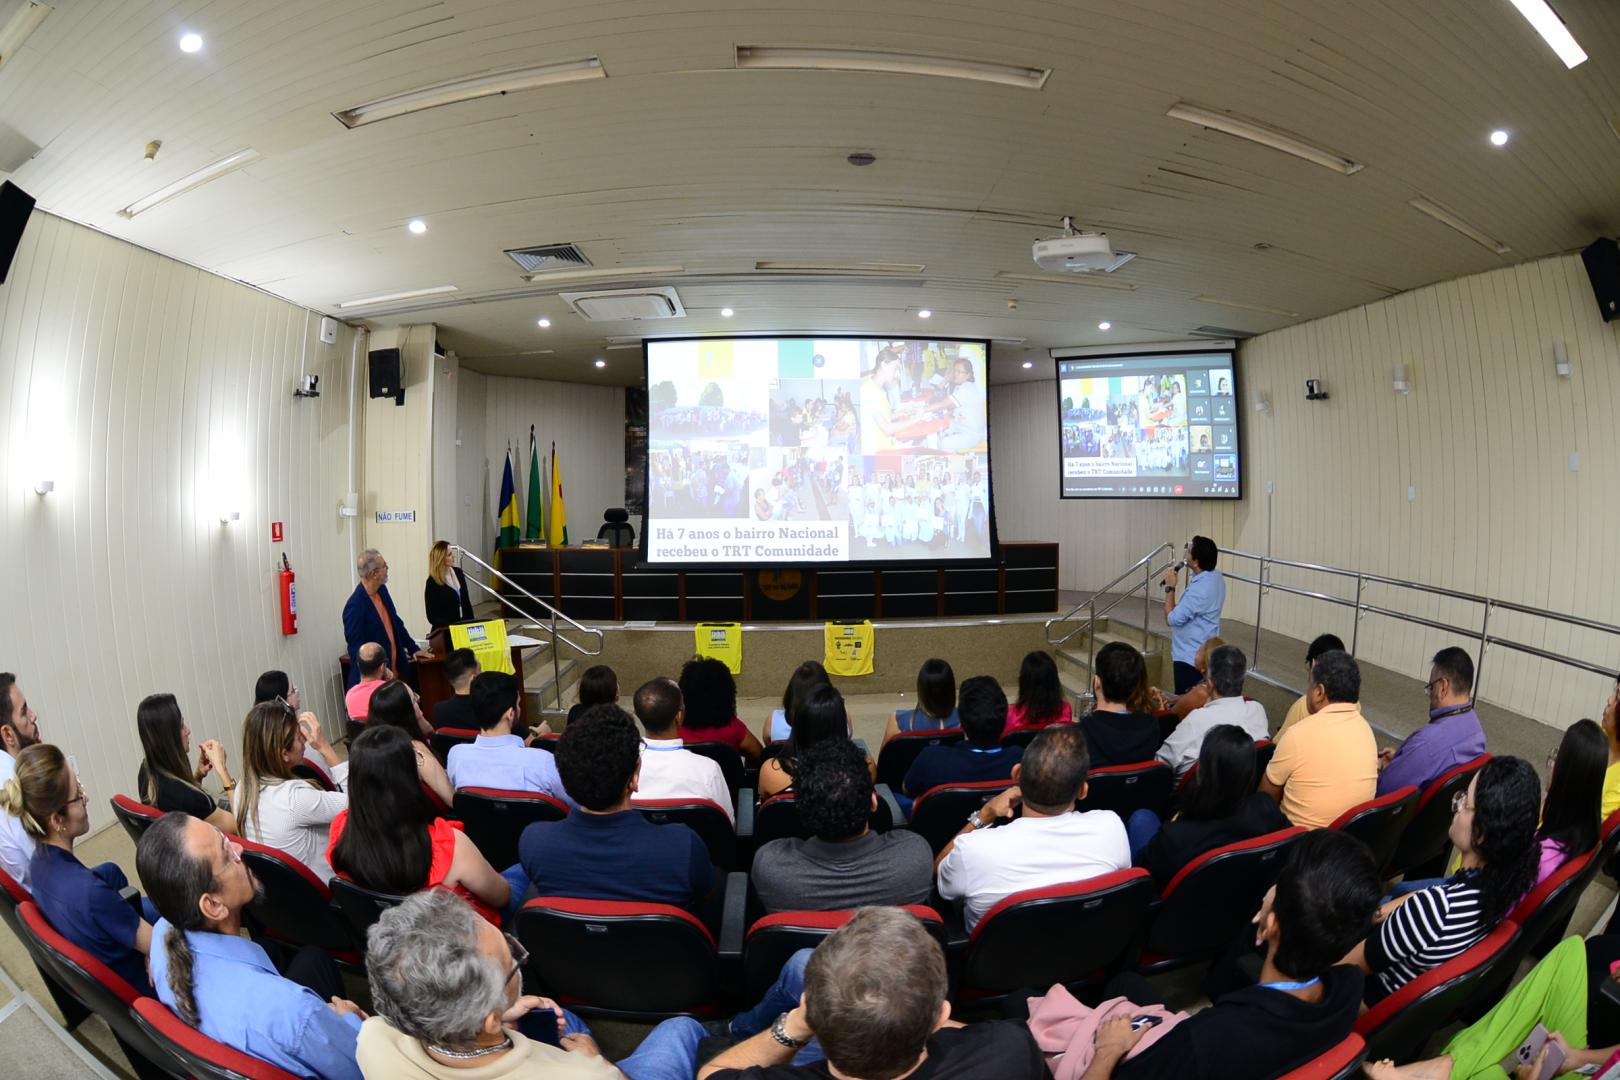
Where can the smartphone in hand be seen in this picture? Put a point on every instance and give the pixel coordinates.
(540, 1025)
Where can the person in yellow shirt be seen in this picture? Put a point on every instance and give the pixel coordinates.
(1611, 777)
(879, 419)
(1300, 709)
(1328, 762)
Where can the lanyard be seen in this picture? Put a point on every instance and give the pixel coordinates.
(1456, 710)
(1292, 985)
(991, 750)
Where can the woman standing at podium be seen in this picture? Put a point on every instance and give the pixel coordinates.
(445, 596)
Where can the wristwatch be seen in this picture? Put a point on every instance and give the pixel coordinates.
(974, 820)
(779, 1033)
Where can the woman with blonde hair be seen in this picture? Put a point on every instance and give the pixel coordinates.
(445, 596)
(82, 903)
(276, 808)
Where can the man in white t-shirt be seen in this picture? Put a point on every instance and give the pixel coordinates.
(19, 729)
(1227, 667)
(668, 769)
(1051, 843)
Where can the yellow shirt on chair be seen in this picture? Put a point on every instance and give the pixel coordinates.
(1327, 763)
(1298, 711)
(1611, 790)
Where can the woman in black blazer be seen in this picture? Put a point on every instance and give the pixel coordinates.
(445, 596)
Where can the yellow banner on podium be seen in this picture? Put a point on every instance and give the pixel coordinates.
(487, 640)
(849, 647)
(720, 641)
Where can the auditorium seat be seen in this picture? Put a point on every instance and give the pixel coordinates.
(772, 940)
(135, 817)
(1426, 839)
(361, 908)
(1212, 900)
(778, 817)
(93, 985)
(446, 738)
(940, 812)
(294, 906)
(1125, 789)
(1024, 736)
(1077, 934)
(704, 817)
(1379, 822)
(632, 961)
(1541, 917)
(12, 897)
(494, 819)
(1340, 1063)
(1399, 1025)
(308, 770)
(729, 760)
(195, 1054)
(897, 755)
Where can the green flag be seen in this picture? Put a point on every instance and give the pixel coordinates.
(535, 520)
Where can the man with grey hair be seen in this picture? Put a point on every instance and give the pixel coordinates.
(370, 615)
(1227, 705)
(447, 989)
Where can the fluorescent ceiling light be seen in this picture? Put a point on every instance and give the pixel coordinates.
(245, 156)
(478, 86)
(1265, 136)
(605, 274)
(1552, 30)
(1218, 302)
(815, 58)
(1088, 280)
(24, 21)
(1449, 218)
(389, 298)
(772, 266)
(625, 345)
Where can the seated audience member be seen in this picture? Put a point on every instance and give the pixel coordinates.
(668, 770)
(19, 729)
(391, 839)
(1040, 695)
(606, 850)
(1328, 762)
(1493, 828)
(1451, 737)
(1227, 705)
(1219, 807)
(818, 717)
(166, 778)
(1116, 734)
(709, 696)
(1306, 1001)
(222, 983)
(980, 755)
(499, 757)
(47, 799)
(372, 662)
(597, 686)
(1301, 707)
(1569, 813)
(844, 864)
(395, 704)
(456, 711)
(448, 991)
(1050, 844)
(936, 702)
(276, 808)
(1197, 697)
(1611, 775)
(276, 684)
(873, 997)
(780, 724)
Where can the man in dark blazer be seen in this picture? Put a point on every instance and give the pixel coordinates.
(370, 615)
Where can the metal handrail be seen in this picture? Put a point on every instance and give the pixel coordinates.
(536, 622)
(1072, 612)
(1145, 564)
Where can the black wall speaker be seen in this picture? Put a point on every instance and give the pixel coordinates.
(386, 375)
(15, 206)
(1602, 261)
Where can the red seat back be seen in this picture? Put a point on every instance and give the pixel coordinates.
(900, 752)
(773, 940)
(135, 817)
(1125, 789)
(778, 817)
(1379, 822)
(446, 738)
(1211, 900)
(201, 1057)
(1426, 836)
(1400, 1024)
(1075, 934)
(293, 905)
(1339, 1063)
(939, 813)
(703, 816)
(494, 819)
(580, 950)
(308, 770)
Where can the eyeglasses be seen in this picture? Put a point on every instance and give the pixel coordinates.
(80, 797)
(1460, 800)
(520, 956)
(1430, 685)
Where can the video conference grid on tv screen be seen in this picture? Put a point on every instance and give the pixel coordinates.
(816, 450)
(1149, 426)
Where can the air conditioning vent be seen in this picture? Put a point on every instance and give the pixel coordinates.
(615, 305)
(538, 260)
(1220, 332)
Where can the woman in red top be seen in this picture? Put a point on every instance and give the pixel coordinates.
(1040, 696)
(710, 697)
(390, 839)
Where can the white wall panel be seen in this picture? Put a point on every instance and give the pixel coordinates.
(156, 395)
(398, 471)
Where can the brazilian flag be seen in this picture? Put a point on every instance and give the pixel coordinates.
(511, 532)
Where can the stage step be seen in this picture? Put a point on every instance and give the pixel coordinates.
(1074, 658)
(540, 682)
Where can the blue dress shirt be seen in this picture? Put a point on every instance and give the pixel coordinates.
(502, 761)
(244, 1003)
(84, 907)
(1197, 615)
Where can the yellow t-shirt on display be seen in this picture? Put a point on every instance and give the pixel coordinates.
(487, 640)
(721, 641)
(848, 648)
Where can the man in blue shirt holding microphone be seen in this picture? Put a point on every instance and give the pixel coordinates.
(1196, 617)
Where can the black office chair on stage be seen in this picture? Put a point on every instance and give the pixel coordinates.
(616, 528)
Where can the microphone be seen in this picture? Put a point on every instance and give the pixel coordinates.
(1178, 568)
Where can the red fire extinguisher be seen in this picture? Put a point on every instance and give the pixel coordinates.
(289, 599)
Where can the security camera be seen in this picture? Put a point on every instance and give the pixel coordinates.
(1315, 390)
(308, 386)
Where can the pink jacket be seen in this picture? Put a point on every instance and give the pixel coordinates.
(1066, 1030)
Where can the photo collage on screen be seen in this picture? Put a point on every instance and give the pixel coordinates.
(885, 439)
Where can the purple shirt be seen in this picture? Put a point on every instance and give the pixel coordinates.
(1446, 741)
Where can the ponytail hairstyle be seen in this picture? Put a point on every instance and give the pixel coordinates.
(269, 731)
(385, 845)
(42, 786)
(158, 720)
(175, 881)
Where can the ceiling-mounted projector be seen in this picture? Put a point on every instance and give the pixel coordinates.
(1077, 252)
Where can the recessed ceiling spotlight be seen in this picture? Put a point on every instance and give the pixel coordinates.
(1499, 137)
(190, 42)
(544, 324)
(417, 226)
(600, 362)
(1028, 364)
(1105, 325)
(726, 313)
(925, 314)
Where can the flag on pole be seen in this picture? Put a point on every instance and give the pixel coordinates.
(559, 515)
(510, 531)
(535, 529)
